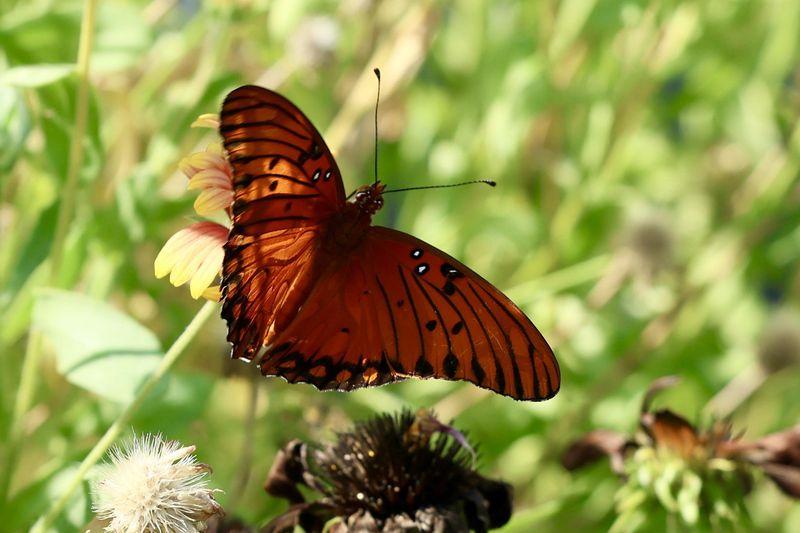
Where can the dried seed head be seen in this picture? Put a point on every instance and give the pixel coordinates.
(154, 486)
(390, 473)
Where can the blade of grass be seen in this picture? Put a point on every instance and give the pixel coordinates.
(31, 363)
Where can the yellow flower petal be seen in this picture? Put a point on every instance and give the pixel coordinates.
(206, 120)
(193, 254)
(184, 269)
(213, 293)
(212, 200)
(210, 158)
(210, 178)
(170, 253)
(207, 272)
(216, 149)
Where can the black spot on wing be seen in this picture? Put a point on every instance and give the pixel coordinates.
(477, 369)
(450, 272)
(423, 367)
(450, 365)
(449, 289)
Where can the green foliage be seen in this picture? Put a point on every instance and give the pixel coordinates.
(662, 489)
(96, 347)
(646, 217)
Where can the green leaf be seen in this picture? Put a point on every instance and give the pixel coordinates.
(36, 75)
(97, 347)
(36, 497)
(184, 401)
(15, 125)
(688, 497)
(123, 35)
(36, 248)
(663, 486)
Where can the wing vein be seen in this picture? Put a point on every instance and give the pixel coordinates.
(235, 142)
(530, 343)
(256, 123)
(413, 310)
(248, 179)
(258, 105)
(460, 316)
(391, 317)
(514, 366)
(436, 311)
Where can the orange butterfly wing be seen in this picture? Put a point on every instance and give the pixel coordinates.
(451, 323)
(346, 315)
(285, 183)
(400, 307)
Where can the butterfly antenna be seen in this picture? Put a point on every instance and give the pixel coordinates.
(377, 72)
(490, 183)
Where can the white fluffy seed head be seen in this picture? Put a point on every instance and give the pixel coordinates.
(153, 486)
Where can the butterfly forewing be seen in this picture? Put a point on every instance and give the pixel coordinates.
(285, 183)
(284, 174)
(399, 307)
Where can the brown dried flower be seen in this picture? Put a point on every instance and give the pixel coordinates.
(392, 473)
(687, 470)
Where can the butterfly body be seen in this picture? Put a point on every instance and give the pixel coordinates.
(346, 229)
(324, 297)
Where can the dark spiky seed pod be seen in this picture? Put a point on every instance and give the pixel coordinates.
(393, 473)
(386, 466)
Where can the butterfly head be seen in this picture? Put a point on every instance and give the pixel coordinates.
(369, 198)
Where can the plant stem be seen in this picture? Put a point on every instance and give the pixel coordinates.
(560, 280)
(244, 468)
(120, 423)
(31, 363)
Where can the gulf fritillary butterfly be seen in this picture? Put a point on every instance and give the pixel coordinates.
(326, 298)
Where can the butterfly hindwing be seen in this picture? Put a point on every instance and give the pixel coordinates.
(335, 340)
(446, 321)
(265, 280)
(400, 307)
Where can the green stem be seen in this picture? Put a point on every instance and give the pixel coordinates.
(559, 280)
(76, 143)
(31, 363)
(245, 466)
(169, 359)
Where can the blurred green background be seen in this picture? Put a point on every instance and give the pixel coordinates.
(646, 216)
